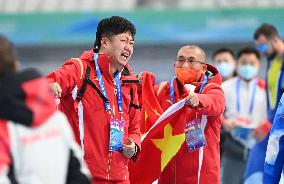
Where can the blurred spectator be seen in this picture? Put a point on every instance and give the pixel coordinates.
(98, 93)
(224, 61)
(269, 43)
(46, 153)
(245, 112)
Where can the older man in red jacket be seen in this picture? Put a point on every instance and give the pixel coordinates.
(194, 162)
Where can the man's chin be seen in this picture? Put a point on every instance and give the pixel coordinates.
(122, 63)
(121, 66)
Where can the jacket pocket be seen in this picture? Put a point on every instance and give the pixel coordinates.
(119, 166)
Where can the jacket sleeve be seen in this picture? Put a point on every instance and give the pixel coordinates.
(212, 100)
(66, 76)
(134, 122)
(77, 170)
(4, 170)
(5, 159)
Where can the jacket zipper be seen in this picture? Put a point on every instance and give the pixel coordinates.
(108, 165)
(110, 153)
(175, 171)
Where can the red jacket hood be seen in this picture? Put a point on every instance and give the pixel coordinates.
(213, 77)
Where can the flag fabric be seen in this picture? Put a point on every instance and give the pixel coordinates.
(159, 145)
(274, 160)
(151, 109)
(254, 170)
(256, 167)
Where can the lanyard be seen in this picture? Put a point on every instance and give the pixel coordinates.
(118, 92)
(102, 86)
(252, 97)
(172, 92)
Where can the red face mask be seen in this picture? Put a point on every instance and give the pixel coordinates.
(187, 75)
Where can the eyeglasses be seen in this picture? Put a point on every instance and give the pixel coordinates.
(190, 61)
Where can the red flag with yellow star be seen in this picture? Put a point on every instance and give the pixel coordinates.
(151, 109)
(161, 143)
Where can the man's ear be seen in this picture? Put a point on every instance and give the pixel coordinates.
(204, 68)
(105, 42)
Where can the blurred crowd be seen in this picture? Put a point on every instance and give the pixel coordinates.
(82, 122)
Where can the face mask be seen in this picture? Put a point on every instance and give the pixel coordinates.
(247, 71)
(225, 69)
(186, 75)
(262, 47)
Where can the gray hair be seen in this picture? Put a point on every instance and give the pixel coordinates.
(193, 47)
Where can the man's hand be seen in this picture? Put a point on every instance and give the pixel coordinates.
(140, 78)
(258, 135)
(278, 45)
(192, 100)
(262, 130)
(129, 148)
(229, 124)
(56, 89)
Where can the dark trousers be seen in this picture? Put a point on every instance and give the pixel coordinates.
(233, 161)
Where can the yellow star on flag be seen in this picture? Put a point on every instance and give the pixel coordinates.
(155, 111)
(169, 145)
(146, 115)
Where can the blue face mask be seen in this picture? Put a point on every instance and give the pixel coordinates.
(262, 47)
(247, 71)
(225, 69)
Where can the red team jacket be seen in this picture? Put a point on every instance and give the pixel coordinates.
(94, 135)
(183, 168)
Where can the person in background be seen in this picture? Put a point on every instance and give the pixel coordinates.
(224, 60)
(98, 93)
(245, 117)
(269, 43)
(36, 141)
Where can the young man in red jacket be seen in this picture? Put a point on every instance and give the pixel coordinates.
(206, 105)
(98, 93)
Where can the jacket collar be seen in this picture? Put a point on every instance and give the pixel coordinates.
(104, 64)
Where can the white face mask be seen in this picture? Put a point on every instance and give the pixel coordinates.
(247, 71)
(225, 69)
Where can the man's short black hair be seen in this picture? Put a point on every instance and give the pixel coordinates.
(267, 30)
(222, 50)
(8, 56)
(248, 50)
(114, 25)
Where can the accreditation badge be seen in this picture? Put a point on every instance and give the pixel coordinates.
(116, 134)
(194, 135)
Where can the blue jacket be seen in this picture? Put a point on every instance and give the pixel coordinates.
(274, 159)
